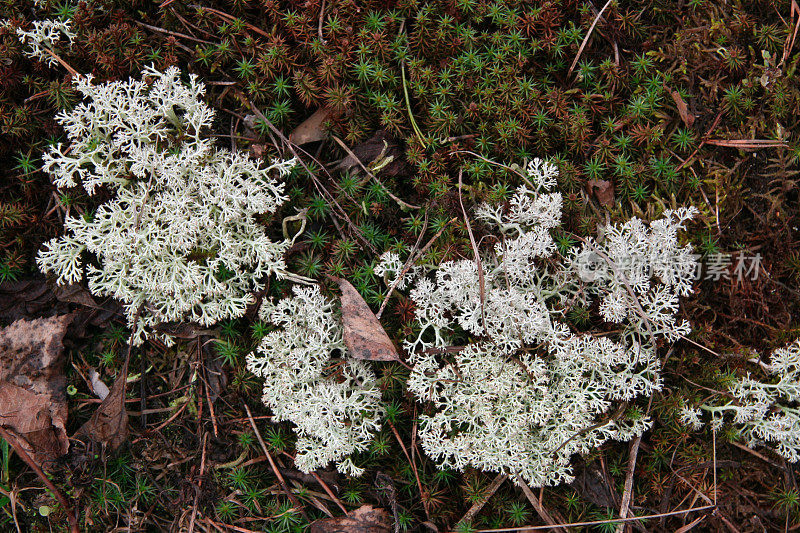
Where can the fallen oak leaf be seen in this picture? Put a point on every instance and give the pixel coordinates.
(365, 519)
(33, 401)
(363, 334)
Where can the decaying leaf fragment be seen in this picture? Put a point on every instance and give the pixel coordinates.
(311, 129)
(365, 519)
(683, 110)
(363, 334)
(109, 424)
(603, 190)
(33, 407)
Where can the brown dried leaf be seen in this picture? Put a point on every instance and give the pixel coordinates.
(363, 334)
(683, 110)
(109, 424)
(75, 293)
(33, 401)
(28, 299)
(603, 190)
(311, 129)
(365, 519)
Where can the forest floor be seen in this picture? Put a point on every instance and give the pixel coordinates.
(642, 105)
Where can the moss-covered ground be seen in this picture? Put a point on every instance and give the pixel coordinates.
(666, 103)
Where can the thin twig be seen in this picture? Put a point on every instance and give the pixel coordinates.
(406, 267)
(477, 506)
(403, 205)
(540, 509)
(319, 23)
(272, 464)
(414, 468)
(329, 492)
(73, 521)
(628, 492)
(62, 62)
(173, 33)
(702, 142)
(219, 526)
(599, 522)
(231, 18)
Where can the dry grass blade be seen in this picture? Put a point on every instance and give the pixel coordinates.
(586, 39)
(690, 525)
(478, 264)
(599, 522)
(747, 144)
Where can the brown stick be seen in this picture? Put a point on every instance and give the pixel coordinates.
(330, 493)
(277, 472)
(73, 521)
(628, 492)
(62, 62)
(540, 509)
(477, 506)
(414, 468)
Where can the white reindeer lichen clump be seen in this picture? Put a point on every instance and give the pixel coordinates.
(333, 400)
(525, 392)
(179, 238)
(766, 411)
(43, 37)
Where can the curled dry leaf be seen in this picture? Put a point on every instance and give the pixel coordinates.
(311, 129)
(363, 334)
(365, 519)
(109, 424)
(74, 293)
(33, 401)
(683, 110)
(28, 299)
